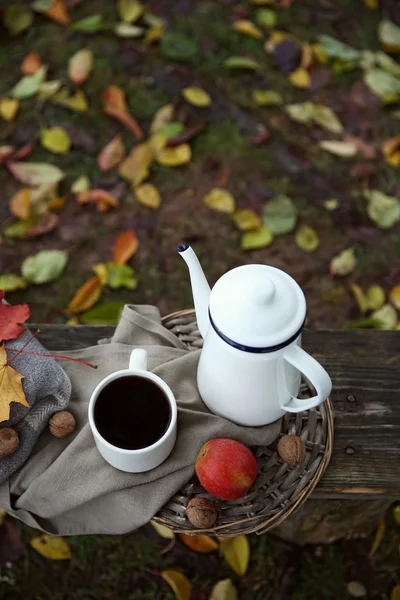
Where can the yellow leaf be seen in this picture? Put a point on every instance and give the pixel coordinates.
(396, 514)
(267, 98)
(55, 139)
(87, 296)
(395, 593)
(260, 238)
(154, 34)
(81, 184)
(112, 154)
(319, 54)
(135, 167)
(162, 117)
(148, 195)
(356, 589)
(386, 316)
(102, 273)
(307, 238)
(389, 36)
(276, 38)
(344, 263)
(2, 515)
(130, 10)
(199, 543)
(375, 297)
(248, 28)
(224, 590)
(8, 108)
(176, 156)
(343, 149)
(196, 96)
(76, 102)
(331, 204)
(163, 531)
(394, 296)
(246, 220)
(359, 297)
(179, 583)
(379, 535)
(306, 56)
(49, 546)
(11, 389)
(391, 151)
(80, 65)
(300, 78)
(371, 4)
(126, 245)
(221, 200)
(20, 204)
(236, 551)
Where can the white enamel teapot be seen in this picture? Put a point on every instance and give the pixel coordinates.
(251, 362)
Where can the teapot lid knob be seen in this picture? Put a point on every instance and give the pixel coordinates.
(262, 291)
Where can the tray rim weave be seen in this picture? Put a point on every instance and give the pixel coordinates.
(279, 517)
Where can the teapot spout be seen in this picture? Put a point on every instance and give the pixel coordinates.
(200, 288)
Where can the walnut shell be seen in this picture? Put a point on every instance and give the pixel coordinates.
(291, 449)
(201, 512)
(9, 441)
(62, 424)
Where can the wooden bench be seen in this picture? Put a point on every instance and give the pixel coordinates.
(363, 478)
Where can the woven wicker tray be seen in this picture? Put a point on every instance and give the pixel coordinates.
(279, 489)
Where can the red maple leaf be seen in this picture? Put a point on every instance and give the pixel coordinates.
(10, 319)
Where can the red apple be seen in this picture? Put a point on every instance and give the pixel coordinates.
(225, 468)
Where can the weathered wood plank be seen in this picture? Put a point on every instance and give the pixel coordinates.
(365, 369)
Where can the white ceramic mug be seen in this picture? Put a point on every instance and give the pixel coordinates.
(142, 459)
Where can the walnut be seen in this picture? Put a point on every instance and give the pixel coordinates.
(62, 424)
(9, 441)
(201, 512)
(291, 449)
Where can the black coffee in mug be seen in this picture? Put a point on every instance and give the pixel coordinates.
(132, 412)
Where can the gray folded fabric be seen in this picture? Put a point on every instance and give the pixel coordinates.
(67, 488)
(47, 390)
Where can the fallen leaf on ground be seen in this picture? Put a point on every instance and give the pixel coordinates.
(148, 195)
(77, 102)
(2, 516)
(259, 238)
(48, 89)
(338, 148)
(394, 297)
(55, 139)
(236, 551)
(307, 238)
(174, 157)
(383, 84)
(112, 154)
(196, 96)
(29, 84)
(154, 34)
(391, 151)
(221, 200)
(11, 283)
(300, 78)
(80, 185)
(90, 24)
(31, 63)
(44, 224)
(87, 296)
(102, 272)
(136, 166)
(266, 17)
(199, 543)
(179, 583)
(163, 531)
(20, 204)
(359, 297)
(18, 229)
(375, 297)
(121, 276)
(356, 589)
(114, 105)
(379, 535)
(383, 210)
(241, 62)
(162, 117)
(395, 593)
(17, 18)
(10, 319)
(49, 546)
(125, 246)
(344, 263)
(11, 389)
(308, 113)
(224, 590)
(45, 266)
(386, 316)
(105, 314)
(248, 28)
(267, 98)
(130, 10)
(389, 36)
(280, 215)
(8, 108)
(171, 130)
(80, 65)
(101, 198)
(35, 173)
(334, 48)
(124, 30)
(246, 220)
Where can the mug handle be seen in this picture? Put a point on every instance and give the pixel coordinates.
(314, 372)
(138, 360)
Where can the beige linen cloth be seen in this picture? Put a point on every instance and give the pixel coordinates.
(67, 488)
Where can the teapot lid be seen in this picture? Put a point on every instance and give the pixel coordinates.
(257, 308)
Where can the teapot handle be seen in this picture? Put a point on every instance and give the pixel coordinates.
(314, 372)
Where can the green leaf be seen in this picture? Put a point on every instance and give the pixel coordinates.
(387, 317)
(259, 238)
(383, 84)
(344, 263)
(90, 24)
(383, 210)
(121, 276)
(105, 314)
(177, 46)
(241, 62)
(368, 323)
(18, 228)
(266, 17)
(375, 297)
(280, 215)
(17, 18)
(35, 173)
(130, 10)
(55, 139)
(11, 283)
(307, 238)
(45, 266)
(41, 5)
(308, 113)
(267, 98)
(389, 35)
(30, 84)
(224, 590)
(170, 130)
(337, 49)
